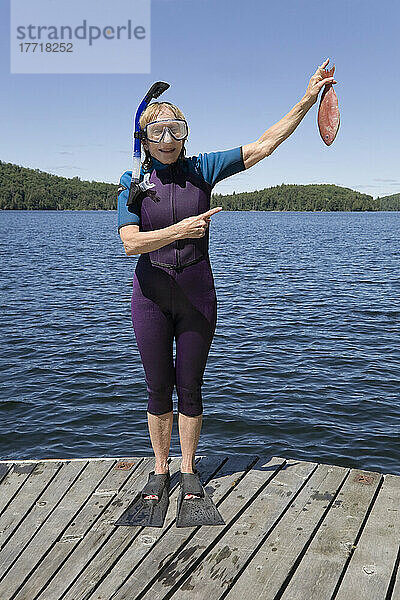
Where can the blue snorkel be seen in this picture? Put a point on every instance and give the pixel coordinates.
(155, 91)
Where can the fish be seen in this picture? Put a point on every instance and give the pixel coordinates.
(328, 112)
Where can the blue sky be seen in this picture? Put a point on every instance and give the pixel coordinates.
(235, 69)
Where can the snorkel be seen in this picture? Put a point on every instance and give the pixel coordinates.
(155, 91)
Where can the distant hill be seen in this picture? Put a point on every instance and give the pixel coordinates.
(298, 197)
(32, 189)
(390, 202)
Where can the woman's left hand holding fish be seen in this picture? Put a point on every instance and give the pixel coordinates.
(317, 82)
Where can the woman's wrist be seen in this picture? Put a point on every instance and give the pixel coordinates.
(174, 231)
(308, 101)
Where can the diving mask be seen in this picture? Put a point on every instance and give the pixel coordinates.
(155, 131)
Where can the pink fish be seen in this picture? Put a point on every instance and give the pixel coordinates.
(328, 112)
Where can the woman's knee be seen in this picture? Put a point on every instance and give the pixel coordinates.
(190, 402)
(160, 399)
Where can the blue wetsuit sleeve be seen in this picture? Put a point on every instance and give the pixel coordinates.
(216, 166)
(126, 216)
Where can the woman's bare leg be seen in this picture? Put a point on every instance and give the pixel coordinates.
(160, 429)
(189, 434)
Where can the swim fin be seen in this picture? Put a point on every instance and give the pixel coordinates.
(195, 511)
(149, 513)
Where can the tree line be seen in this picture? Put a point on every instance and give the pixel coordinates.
(313, 197)
(32, 189)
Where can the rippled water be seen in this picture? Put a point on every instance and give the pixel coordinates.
(304, 363)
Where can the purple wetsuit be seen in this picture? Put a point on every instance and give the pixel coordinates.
(173, 287)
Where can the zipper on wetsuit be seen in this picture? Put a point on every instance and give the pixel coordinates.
(173, 192)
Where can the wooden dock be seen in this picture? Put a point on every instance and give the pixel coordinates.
(294, 530)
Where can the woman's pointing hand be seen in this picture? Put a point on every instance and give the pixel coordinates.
(195, 227)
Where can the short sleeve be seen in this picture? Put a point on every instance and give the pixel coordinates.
(126, 216)
(216, 166)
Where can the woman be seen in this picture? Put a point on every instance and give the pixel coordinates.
(173, 289)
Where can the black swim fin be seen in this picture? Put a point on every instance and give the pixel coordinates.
(149, 513)
(195, 511)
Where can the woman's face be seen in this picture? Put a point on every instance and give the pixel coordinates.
(168, 150)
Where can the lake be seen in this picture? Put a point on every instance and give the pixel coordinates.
(305, 362)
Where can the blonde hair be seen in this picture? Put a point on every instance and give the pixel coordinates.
(150, 114)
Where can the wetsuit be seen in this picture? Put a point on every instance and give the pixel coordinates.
(173, 287)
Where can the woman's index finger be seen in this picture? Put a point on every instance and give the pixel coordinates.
(212, 211)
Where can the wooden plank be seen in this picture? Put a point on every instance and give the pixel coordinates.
(370, 568)
(102, 496)
(176, 555)
(320, 569)
(63, 513)
(14, 477)
(97, 535)
(268, 569)
(4, 469)
(140, 542)
(396, 590)
(19, 493)
(215, 574)
(35, 518)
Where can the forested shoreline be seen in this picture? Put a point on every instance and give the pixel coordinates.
(32, 189)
